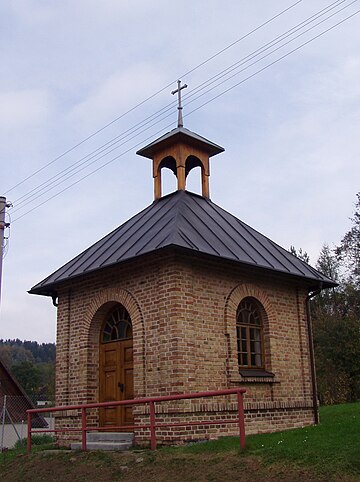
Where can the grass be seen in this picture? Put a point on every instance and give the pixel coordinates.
(39, 442)
(331, 448)
(42, 441)
(329, 451)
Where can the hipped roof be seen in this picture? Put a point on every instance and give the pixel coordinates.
(177, 135)
(192, 222)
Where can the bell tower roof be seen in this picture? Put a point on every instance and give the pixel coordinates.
(180, 150)
(180, 134)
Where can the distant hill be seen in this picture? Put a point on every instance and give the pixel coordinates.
(13, 351)
(32, 364)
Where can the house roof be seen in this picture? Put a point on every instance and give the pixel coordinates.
(192, 222)
(17, 399)
(180, 134)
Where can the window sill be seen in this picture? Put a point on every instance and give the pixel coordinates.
(256, 376)
(254, 373)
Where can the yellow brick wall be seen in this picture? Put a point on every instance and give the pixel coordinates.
(183, 313)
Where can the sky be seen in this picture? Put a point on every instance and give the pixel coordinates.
(290, 131)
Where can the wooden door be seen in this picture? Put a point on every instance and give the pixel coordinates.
(116, 382)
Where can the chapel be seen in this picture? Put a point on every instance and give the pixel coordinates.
(184, 297)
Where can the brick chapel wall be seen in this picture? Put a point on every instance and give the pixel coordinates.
(208, 298)
(183, 312)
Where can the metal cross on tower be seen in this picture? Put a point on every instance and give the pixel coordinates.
(178, 91)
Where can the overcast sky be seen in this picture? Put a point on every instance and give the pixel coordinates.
(291, 132)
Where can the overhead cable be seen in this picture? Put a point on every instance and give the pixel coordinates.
(76, 168)
(153, 95)
(73, 170)
(197, 108)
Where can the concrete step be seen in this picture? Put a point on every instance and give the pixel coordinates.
(114, 446)
(127, 437)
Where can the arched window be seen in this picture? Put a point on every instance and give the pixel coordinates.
(117, 325)
(249, 331)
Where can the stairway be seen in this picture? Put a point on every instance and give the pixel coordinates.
(106, 441)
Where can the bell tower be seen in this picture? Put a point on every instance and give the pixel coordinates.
(180, 150)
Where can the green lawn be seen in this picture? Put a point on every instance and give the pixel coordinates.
(331, 448)
(329, 451)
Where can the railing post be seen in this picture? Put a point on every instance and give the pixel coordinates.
(241, 416)
(83, 428)
(152, 425)
(29, 432)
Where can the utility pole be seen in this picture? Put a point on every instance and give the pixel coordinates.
(3, 225)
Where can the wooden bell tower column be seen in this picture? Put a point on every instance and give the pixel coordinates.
(181, 157)
(181, 150)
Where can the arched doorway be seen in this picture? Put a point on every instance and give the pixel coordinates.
(116, 367)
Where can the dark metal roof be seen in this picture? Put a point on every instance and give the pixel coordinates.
(180, 134)
(189, 221)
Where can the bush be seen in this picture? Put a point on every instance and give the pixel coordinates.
(35, 440)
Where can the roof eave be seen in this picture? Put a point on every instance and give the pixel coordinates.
(44, 292)
(177, 135)
(312, 283)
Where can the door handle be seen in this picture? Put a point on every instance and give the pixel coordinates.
(121, 386)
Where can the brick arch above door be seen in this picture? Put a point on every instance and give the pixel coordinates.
(93, 322)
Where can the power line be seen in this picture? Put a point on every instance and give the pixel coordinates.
(270, 53)
(275, 61)
(91, 155)
(44, 187)
(130, 139)
(153, 95)
(199, 107)
(55, 181)
(272, 42)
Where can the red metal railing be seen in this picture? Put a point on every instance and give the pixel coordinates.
(152, 426)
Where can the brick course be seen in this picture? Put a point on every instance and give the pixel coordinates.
(183, 311)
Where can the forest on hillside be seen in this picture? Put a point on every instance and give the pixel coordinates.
(33, 366)
(336, 318)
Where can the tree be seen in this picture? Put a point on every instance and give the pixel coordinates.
(32, 364)
(337, 355)
(328, 264)
(28, 375)
(13, 354)
(336, 319)
(349, 250)
(300, 254)
(46, 389)
(327, 301)
(40, 352)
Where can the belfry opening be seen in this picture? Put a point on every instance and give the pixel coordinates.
(181, 151)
